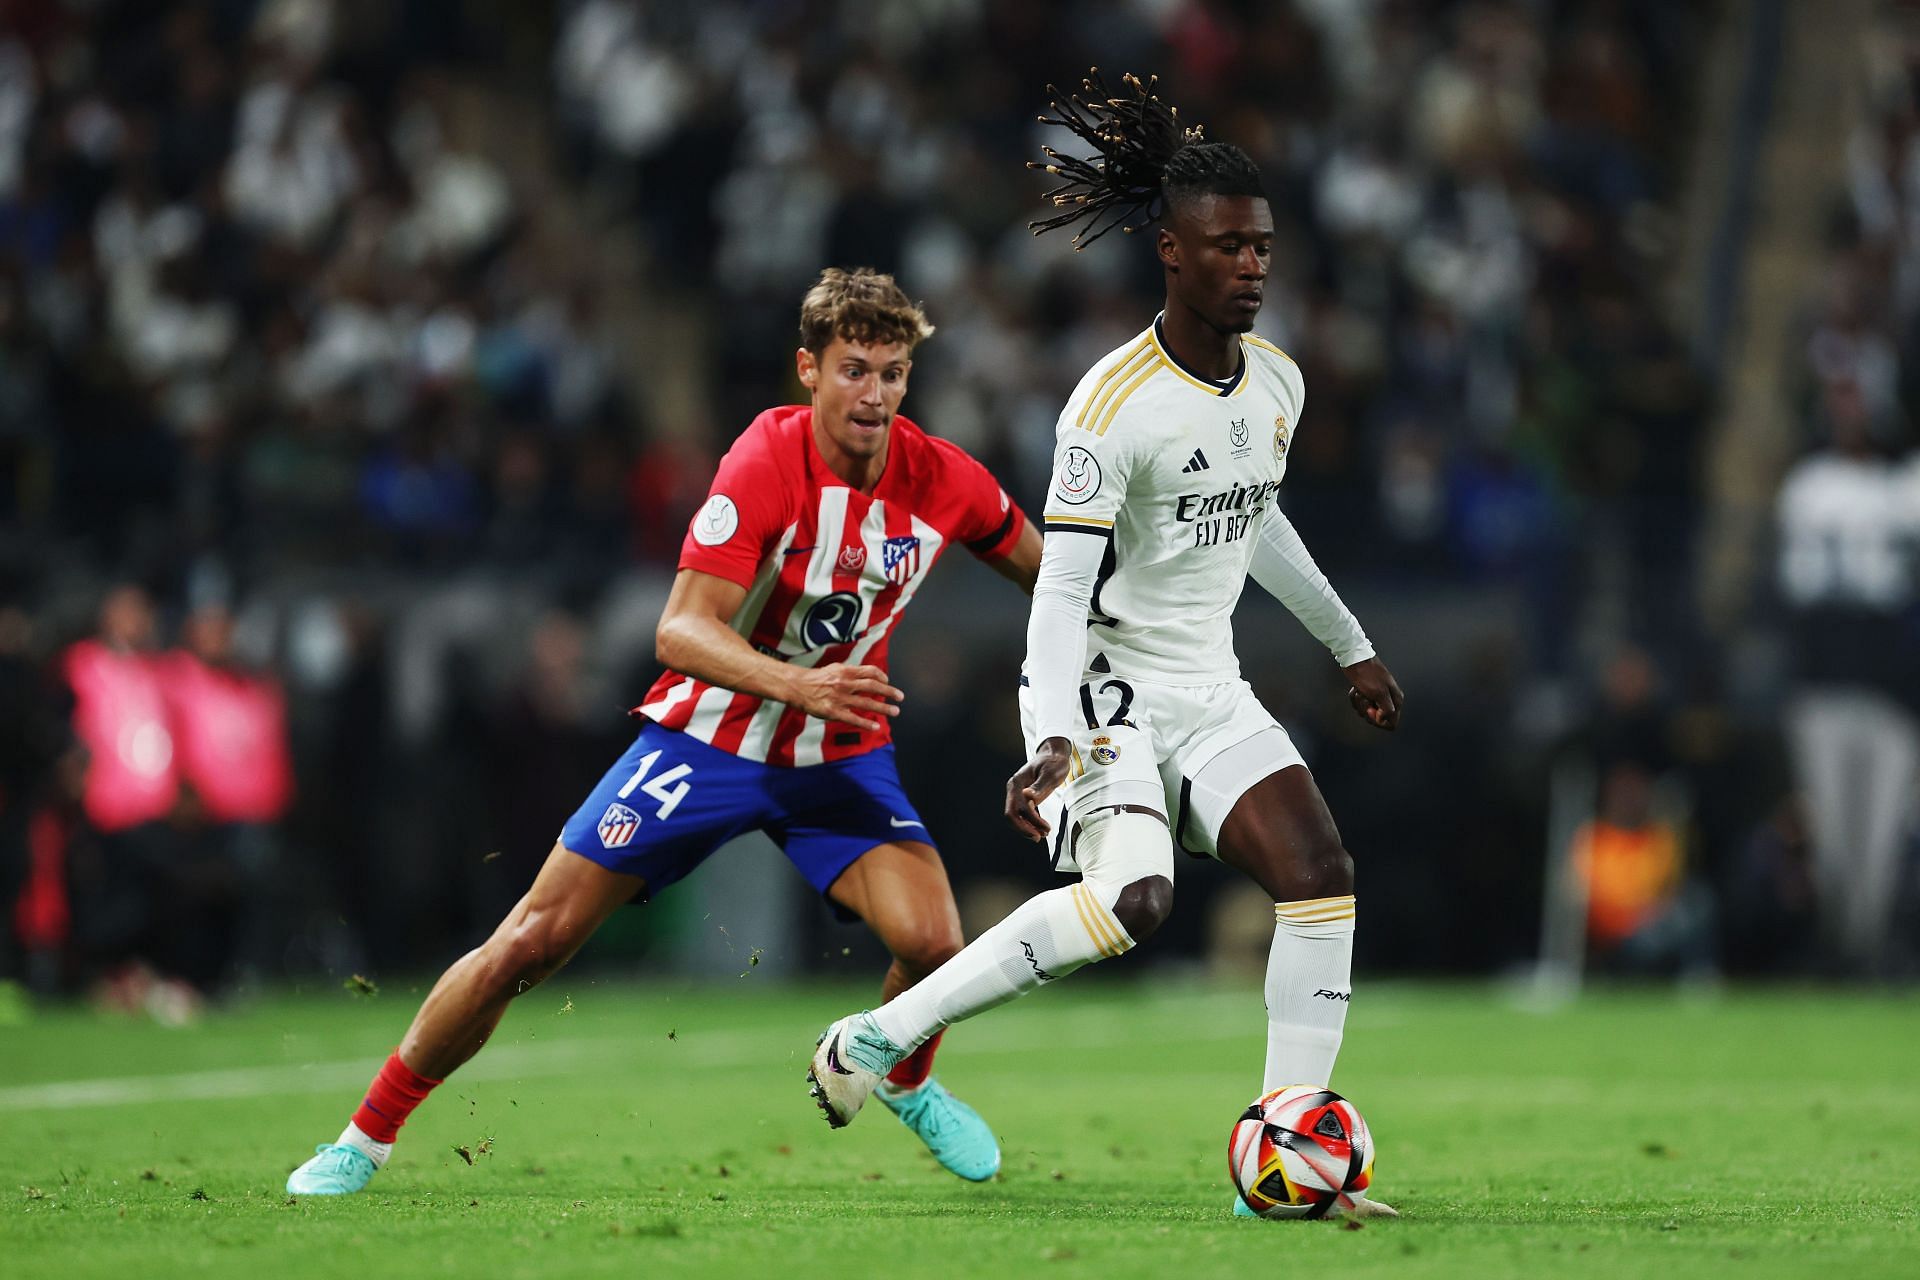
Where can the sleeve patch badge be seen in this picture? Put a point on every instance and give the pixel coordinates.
(717, 521)
(1079, 476)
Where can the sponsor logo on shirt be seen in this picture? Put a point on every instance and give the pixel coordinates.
(833, 619)
(1241, 497)
(717, 521)
(1079, 476)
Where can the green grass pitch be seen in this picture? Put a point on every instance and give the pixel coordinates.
(665, 1129)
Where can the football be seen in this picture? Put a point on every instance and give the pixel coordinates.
(1300, 1152)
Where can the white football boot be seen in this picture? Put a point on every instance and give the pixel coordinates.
(849, 1062)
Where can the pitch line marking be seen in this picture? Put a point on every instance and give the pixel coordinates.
(1095, 1027)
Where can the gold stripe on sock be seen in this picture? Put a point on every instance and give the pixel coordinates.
(1086, 921)
(1315, 910)
(1319, 913)
(1084, 906)
(1101, 927)
(1331, 918)
(1338, 899)
(1105, 925)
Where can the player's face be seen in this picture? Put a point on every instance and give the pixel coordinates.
(1217, 249)
(857, 388)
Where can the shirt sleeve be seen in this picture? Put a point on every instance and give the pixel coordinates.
(1090, 475)
(743, 516)
(991, 521)
(1089, 482)
(1057, 630)
(1282, 566)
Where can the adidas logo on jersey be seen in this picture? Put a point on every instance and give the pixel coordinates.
(1198, 462)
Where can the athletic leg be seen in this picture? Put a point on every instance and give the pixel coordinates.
(1126, 858)
(1280, 833)
(625, 838)
(900, 889)
(1820, 736)
(569, 900)
(1888, 780)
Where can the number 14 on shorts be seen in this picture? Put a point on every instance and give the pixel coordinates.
(667, 789)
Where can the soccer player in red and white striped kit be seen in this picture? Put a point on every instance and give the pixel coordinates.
(822, 523)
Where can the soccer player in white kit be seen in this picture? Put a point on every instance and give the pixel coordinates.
(1144, 739)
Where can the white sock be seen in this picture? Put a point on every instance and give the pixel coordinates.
(1309, 984)
(1045, 938)
(375, 1151)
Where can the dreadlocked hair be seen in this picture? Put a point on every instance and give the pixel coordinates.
(1144, 159)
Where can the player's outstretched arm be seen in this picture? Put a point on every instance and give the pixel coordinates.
(1021, 564)
(1283, 567)
(1056, 654)
(696, 638)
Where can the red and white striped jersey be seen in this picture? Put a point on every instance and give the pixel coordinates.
(828, 571)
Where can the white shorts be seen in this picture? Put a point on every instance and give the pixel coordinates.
(1188, 752)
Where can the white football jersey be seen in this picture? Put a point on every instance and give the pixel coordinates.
(1177, 472)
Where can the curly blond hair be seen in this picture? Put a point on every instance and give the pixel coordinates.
(862, 305)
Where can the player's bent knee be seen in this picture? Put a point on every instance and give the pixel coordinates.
(1321, 871)
(1127, 859)
(922, 949)
(1144, 906)
(1337, 872)
(526, 952)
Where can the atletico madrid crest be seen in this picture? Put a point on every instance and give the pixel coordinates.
(618, 825)
(900, 557)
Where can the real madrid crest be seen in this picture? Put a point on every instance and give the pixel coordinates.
(1280, 435)
(1104, 752)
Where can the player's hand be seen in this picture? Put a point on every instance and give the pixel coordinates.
(1375, 694)
(859, 696)
(1037, 779)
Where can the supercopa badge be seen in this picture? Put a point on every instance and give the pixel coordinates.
(1079, 476)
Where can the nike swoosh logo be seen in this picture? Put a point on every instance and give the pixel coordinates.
(798, 551)
(897, 823)
(833, 1057)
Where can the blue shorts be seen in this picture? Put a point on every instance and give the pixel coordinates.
(672, 800)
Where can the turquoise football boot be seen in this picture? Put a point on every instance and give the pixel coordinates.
(959, 1139)
(1240, 1209)
(335, 1170)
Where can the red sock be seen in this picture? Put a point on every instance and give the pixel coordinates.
(390, 1099)
(912, 1071)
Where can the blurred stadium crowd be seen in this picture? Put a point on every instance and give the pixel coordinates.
(380, 479)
